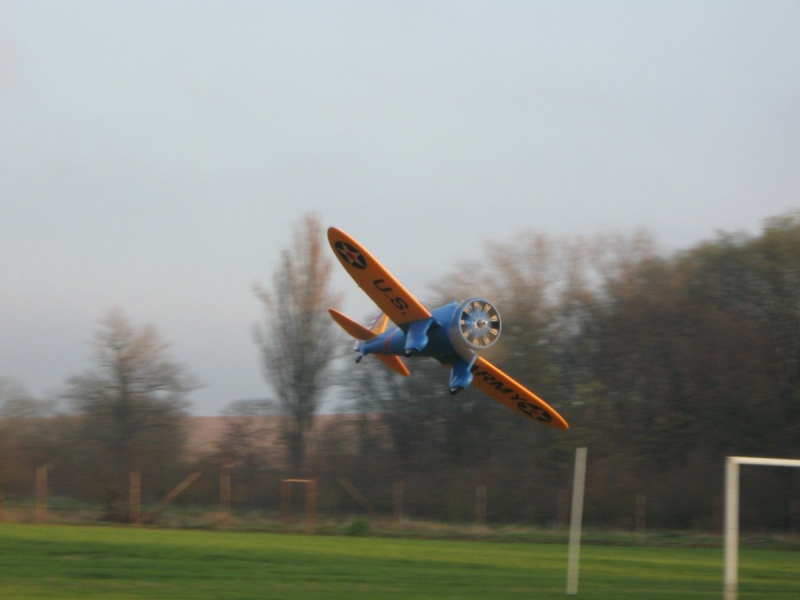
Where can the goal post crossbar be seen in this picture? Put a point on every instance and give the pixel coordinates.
(767, 462)
(732, 513)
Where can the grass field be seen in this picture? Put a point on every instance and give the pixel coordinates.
(55, 561)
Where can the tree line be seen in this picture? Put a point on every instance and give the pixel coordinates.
(662, 364)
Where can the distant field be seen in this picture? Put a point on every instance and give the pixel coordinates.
(102, 562)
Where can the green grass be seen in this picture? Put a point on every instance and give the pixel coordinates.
(103, 562)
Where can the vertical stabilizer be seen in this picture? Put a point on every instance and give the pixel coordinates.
(377, 327)
(378, 324)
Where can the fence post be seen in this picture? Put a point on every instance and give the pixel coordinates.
(170, 497)
(41, 494)
(286, 503)
(397, 503)
(480, 504)
(641, 512)
(135, 509)
(311, 502)
(358, 497)
(225, 494)
(311, 505)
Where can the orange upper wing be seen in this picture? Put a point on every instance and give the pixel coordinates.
(385, 291)
(493, 382)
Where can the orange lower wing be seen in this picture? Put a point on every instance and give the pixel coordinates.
(495, 383)
(384, 290)
(394, 363)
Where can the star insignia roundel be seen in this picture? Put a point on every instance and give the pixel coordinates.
(353, 257)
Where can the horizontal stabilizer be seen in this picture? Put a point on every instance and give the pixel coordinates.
(394, 363)
(356, 330)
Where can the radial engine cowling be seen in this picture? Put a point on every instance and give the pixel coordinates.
(475, 326)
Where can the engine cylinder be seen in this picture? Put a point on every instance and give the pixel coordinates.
(475, 326)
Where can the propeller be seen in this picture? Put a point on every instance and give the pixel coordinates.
(479, 323)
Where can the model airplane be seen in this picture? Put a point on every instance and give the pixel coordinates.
(453, 334)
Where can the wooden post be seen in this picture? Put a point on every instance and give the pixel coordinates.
(225, 494)
(641, 512)
(286, 502)
(480, 505)
(41, 494)
(2, 508)
(397, 503)
(170, 497)
(311, 502)
(311, 505)
(135, 508)
(358, 497)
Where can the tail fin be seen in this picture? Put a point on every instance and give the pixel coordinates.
(360, 332)
(378, 324)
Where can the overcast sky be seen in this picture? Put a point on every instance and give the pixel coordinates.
(154, 156)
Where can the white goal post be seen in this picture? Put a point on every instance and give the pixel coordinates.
(732, 513)
(576, 520)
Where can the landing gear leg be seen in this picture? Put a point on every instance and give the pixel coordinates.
(460, 376)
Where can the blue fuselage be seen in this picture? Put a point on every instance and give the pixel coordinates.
(449, 335)
(420, 338)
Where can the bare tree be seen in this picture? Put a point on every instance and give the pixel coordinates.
(16, 403)
(30, 435)
(297, 339)
(133, 403)
(246, 447)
